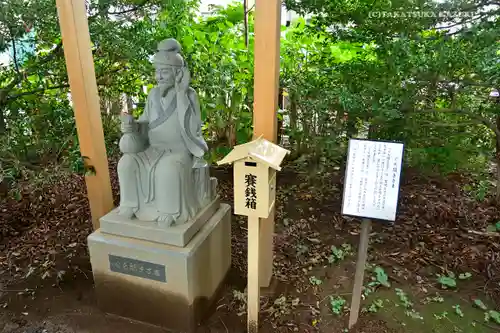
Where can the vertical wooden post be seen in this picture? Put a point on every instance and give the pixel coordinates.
(364, 238)
(253, 286)
(83, 86)
(265, 119)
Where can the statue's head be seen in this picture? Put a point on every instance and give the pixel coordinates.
(168, 62)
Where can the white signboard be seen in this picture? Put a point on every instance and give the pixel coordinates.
(371, 185)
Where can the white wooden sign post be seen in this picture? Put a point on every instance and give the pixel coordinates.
(255, 166)
(371, 190)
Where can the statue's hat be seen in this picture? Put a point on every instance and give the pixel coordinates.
(170, 45)
(168, 54)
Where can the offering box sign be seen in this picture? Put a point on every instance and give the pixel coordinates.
(371, 185)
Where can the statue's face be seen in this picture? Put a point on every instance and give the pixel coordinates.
(165, 76)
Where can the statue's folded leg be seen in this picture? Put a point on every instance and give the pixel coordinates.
(128, 169)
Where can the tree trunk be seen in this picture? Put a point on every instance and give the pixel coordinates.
(497, 160)
(372, 131)
(293, 120)
(3, 124)
(245, 21)
(280, 119)
(351, 129)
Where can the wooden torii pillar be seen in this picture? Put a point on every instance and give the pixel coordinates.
(83, 87)
(265, 119)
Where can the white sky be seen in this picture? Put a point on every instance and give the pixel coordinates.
(205, 3)
(4, 58)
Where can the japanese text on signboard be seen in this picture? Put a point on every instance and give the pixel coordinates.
(137, 268)
(250, 191)
(372, 179)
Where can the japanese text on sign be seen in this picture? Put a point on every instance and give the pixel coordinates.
(371, 184)
(250, 191)
(142, 269)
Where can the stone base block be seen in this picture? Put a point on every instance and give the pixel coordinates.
(179, 235)
(161, 284)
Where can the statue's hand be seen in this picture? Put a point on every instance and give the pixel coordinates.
(182, 80)
(199, 162)
(128, 123)
(127, 118)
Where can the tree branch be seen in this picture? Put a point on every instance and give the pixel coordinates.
(250, 9)
(101, 80)
(133, 9)
(483, 120)
(55, 52)
(36, 91)
(14, 51)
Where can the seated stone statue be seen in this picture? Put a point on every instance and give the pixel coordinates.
(162, 174)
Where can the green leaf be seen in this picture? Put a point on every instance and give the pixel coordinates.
(458, 310)
(315, 281)
(382, 277)
(337, 304)
(213, 37)
(480, 304)
(199, 36)
(447, 281)
(495, 315)
(491, 228)
(221, 26)
(188, 42)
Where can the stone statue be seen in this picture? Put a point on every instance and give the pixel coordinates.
(162, 174)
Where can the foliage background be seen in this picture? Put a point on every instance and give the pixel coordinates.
(424, 80)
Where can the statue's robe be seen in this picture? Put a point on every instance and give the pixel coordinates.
(159, 180)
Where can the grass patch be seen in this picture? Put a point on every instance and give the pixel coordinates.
(434, 314)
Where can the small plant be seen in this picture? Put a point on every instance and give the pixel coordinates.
(241, 300)
(479, 190)
(442, 315)
(492, 315)
(447, 281)
(413, 314)
(282, 306)
(403, 298)
(381, 277)
(465, 276)
(370, 288)
(488, 314)
(337, 304)
(376, 305)
(480, 304)
(434, 299)
(315, 281)
(458, 310)
(339, 254)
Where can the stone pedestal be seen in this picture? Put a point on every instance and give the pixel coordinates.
(162, 284)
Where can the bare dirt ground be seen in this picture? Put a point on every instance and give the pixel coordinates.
(47, 278)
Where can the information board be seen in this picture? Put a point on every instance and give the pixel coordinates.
(371, 186)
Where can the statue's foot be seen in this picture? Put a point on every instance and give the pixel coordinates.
(126, 212)
(166, 220)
